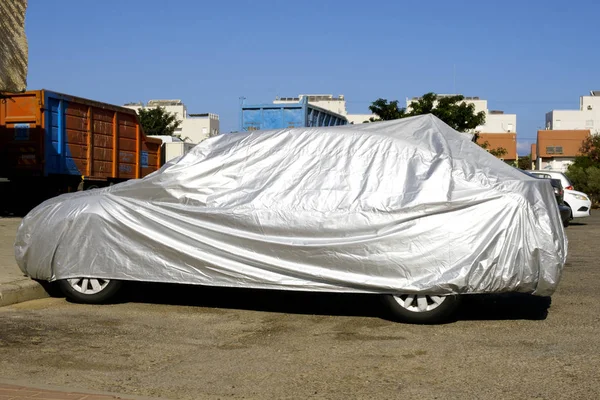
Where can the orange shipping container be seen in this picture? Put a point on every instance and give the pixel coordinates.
(48, 134)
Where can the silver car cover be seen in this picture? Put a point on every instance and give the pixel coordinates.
(405, 206)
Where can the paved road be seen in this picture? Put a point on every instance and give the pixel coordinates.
(192, 343)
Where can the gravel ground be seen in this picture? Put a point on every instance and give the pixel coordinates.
(185, 342)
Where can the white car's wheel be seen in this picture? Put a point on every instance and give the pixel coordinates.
(421, 308)
(89, 290)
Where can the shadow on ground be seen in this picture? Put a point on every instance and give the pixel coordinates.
(504, 306)
(509, 306)
(578, 223)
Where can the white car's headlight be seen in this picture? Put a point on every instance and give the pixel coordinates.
(580, 197)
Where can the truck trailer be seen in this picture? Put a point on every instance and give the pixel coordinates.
(52, 143)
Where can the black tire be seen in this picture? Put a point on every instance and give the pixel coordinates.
(566, 224)
(443, 312)
(571, 214)
(105, 295)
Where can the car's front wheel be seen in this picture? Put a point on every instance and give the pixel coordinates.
(422, 308)
(89, 290)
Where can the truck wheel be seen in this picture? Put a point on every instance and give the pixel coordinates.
(89, 290)
(421, 308)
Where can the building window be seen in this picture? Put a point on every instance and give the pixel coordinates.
(510, 127)
(554, 149)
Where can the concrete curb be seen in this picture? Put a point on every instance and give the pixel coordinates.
(20, 291)
(67, 391)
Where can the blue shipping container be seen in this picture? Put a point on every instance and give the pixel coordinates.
(287, 115)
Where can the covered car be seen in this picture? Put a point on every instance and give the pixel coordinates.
(408, 209)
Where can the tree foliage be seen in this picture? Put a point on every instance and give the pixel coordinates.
(525, 162)
(586, 180)
(158, 121)
(451, 109)
(584, 173)
(591, 148)
(387, 111)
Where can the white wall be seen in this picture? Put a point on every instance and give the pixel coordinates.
(573, 119)
(198, 129)
(590, 103)
(499, 123)
(587, 117)
(336, 106)
(556, 164)
(359, 118)
(176, 149)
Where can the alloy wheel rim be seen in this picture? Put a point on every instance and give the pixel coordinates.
(88, 285)
(419, 302)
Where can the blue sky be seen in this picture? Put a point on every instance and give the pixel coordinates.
(524, 57)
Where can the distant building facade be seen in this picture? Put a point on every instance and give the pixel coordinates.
(559, 144)
(507, 141)
(193, 127)
(557, 149)
(586, 118)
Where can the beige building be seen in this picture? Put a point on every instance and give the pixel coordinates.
(506, 141)
(557, 149)
(193, 127)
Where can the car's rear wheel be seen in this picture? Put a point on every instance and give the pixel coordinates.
(422, 308)
(89, 290)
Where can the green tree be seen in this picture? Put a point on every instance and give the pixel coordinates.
(591, 149)
(584, 173)
(525, 162)
(586, 180)
(387, 111)
(158, 121)
(451, 109)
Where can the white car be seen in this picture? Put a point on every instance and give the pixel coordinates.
(578, 202)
